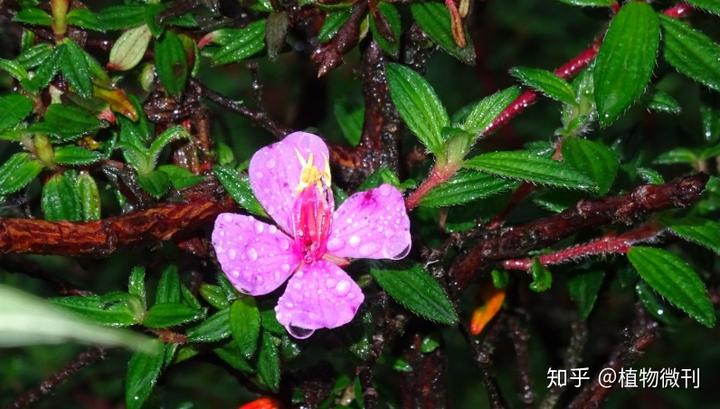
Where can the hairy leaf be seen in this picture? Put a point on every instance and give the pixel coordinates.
(417, 290)
(691, 52)
(700, 231)
(171, 63)
(213, 329)
(113, 309)
(466, 186)
(675, 280)
(245, 325)
(268, 363)
(142, 374)
(238, 186)
(583, 288)
(546, 82)
(60, 199)
(243, 43)
(418, 105)
(17, 172)
(485, 111)
(527, 166)
(171, 314)
(626, 60)
(594, 159)
(13, 109)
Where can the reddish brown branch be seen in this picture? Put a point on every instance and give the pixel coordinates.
(84, 359)
(516, 241)
(102, 237)
(331, 54)
(609, 244)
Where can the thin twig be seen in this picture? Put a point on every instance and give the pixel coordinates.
(85, 358)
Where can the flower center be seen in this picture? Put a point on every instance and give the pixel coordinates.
(312, 216)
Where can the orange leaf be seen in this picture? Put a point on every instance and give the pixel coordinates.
(262, 403)
(492, 300)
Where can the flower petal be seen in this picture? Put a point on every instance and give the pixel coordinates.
(372, 224)
(319, 295)
(275, 173)
(255, 256)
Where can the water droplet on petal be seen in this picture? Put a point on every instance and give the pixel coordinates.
(235, 273)
(368, 249)
(285, 267)
(272, 229)
(270, 163)
(334, 244)
(232, 254)
(259, 228)
(354, 240)
(252, 253)
(227, 218)
(330, 283)
(342, 287)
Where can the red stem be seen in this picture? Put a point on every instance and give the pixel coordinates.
(437, 176)
(609, 244)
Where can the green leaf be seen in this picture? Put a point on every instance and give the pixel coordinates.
(527, 166)
(583, 288)
(590, 3)
(332, 23)
(245, 325)
(231, 355)
(28, 320)
(35, 55)
(626, 60)
(675, 280)
(485, 111)
(691, 52)
(382, 175)
(170, 315)
(76, 155)
(466, 186)
(661, 101)
(713, 6)
(594, 159)
(60, 200)
(171, 63)
(114, 309)
(142, 375)
(654, 305)
(74, 68)
(45, 72)
(677, 155)
(710, 123)
(121, 17)
(82, 17)
(168, 289)
(541, 277)
(214, 295)
(13, 109)
(136, 283)
(180, 178)
(129, 48)
(15, 69)
(268, 363)
(66, 122)
(418, 291)
(434, 19)
(156, 183)
(17, 172)
(418, 105)
(214, 328)
(392, 17)
(165, 138)
(34, 16)
(87, 191)
(350, 120)
(699, 231)
(546, 82)
(244, 43)
(239, 188)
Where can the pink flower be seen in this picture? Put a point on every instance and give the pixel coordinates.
(291, 179)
